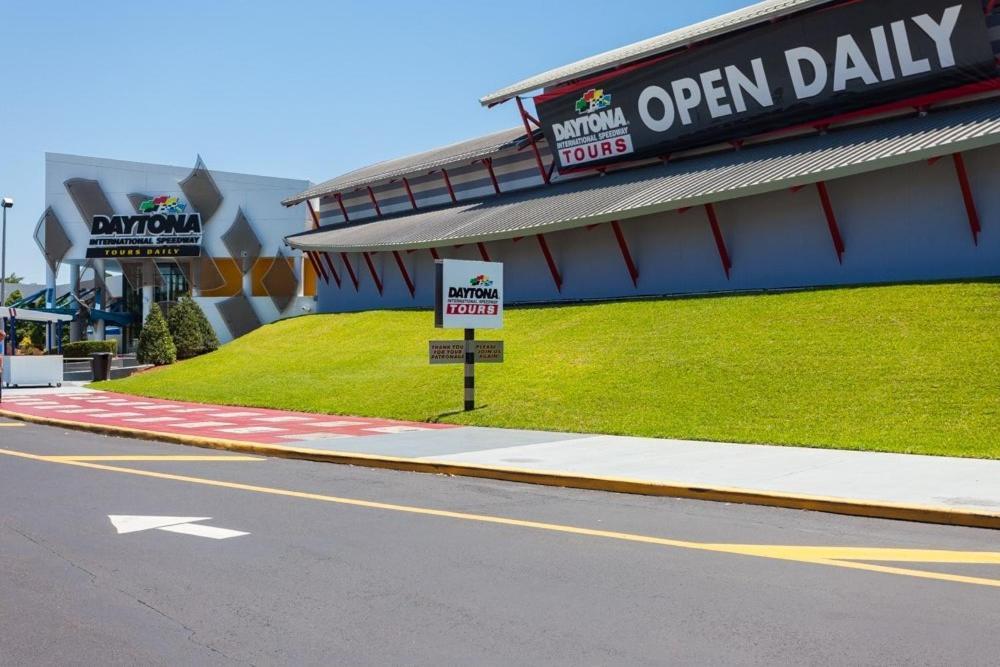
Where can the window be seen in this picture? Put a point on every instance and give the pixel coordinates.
(175, 284)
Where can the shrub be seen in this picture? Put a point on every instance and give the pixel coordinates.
(192, 333)
(85, 348)
(184, 329)
(210, 342)
(155, 343)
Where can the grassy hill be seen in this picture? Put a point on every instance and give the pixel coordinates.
(912, 368)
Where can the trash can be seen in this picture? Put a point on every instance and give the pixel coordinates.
(100, 365)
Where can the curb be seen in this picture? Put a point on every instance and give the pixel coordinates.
(844, 506)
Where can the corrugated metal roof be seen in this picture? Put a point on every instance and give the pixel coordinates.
(648, 190)
(462, 152)
(741, 18)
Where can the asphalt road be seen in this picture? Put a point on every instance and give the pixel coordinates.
(353, 566)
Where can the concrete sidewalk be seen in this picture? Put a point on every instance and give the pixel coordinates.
(922, 488)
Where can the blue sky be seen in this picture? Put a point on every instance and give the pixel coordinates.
(299, 89)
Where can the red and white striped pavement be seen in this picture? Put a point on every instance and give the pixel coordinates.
(257, 425)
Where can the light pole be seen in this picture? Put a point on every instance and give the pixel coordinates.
(7, 203)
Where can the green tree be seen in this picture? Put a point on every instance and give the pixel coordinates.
(184, 329)
(192, 333)
(155, 343)
(13, 279)
(210, 342)
(13, 297)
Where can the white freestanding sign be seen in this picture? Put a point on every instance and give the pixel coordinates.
(469, 295)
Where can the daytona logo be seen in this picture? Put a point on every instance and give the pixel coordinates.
(141, 225)
(473, 293)
(601, 135)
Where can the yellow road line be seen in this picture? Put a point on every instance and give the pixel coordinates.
(949, 516)
(829, 556)
(143, 457)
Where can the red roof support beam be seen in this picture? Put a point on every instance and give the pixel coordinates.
(350, 270)
(317, 267)
(483, 253)
(343, 209)
(720, 242)
(553, 269)
(322, 271)
(970, 201)
(371, 195)
(434, 253)
(451, 190)
(531, 139)
(406, 274)
(326, 255)
(333, 269)
(312, 213)
(633, 270)
(409, 193)
(371, 268)
(488, 162)
(831, 220)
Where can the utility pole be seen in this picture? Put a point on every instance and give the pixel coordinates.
(7, 203)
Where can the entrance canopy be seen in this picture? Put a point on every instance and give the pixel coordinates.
(22, 315)
(643, 191)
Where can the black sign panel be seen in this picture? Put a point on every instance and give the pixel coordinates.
(806, 68)
(139, 236)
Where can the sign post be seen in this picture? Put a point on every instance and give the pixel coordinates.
(468, 296)
(470, 370)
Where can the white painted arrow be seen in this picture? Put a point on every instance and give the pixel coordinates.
(185, 525)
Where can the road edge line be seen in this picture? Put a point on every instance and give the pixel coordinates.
(830, 505)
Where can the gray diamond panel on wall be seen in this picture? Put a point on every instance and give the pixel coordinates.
(52, 238)
(241, 242)
(89, 198)
(238, 315)
(207, 275)
(281, 283)
(201, 191)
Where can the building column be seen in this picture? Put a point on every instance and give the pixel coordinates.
(50, 286)
(76, 330)
(50, 302)
(194, 280)
(102, 298)
(148, 293)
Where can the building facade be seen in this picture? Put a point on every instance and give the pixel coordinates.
(792, 144)
(133, 234)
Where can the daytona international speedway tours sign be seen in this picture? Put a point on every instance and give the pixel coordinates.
(469, 295)
(801, 69)
(163, 227)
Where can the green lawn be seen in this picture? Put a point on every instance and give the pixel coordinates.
(913, 368)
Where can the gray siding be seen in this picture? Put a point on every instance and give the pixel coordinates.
(900, 224)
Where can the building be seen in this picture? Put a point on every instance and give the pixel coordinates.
(133, 234)
(790, 144)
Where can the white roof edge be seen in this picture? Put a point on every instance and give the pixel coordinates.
(736, 20)
(28, 315)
